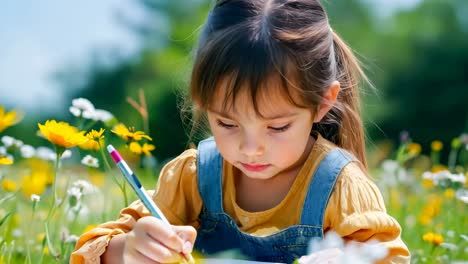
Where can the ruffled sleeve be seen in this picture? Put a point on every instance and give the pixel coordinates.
(176, 195)
(356, 211)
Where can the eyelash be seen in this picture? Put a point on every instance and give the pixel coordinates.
(281, 129)
(227, 126)
(275, 129)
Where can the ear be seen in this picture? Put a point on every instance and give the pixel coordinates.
(328, 101)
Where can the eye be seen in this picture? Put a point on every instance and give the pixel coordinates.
(225, 125)
(280, 129)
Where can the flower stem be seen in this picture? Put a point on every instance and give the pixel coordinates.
(452, 159)
(54, 183)
(120, 185)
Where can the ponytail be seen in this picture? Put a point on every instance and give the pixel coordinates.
(350, 132)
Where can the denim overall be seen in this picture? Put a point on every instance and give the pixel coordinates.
(218, 231)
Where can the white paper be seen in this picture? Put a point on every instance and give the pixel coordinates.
(233, 261)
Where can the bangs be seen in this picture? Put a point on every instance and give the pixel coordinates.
(237, 63)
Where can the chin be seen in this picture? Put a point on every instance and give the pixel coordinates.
(258, 175)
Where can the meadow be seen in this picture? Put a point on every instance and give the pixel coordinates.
(50, 194)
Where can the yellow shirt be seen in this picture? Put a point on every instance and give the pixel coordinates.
(355, 210)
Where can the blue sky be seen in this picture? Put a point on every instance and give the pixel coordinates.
(38, 38)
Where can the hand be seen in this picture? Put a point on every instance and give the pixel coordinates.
(151, 241)
(331, 255)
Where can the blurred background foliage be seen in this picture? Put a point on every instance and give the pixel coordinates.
(417, 59)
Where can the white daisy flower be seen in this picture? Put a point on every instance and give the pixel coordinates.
(8, 141)
(81, 212)
(17, 232)
(85, 187)
(351, 252)
(35, 198)
(102, 115)
(444, 178)
(90, 161)
(3, 151)
(74, 197)
(71, 239)
(390, 166)
(27, 151)
(83, 104)
(462, 195)
(66, 154)
(75, 111)
(89, 114)
(45, 153)
(449, 246)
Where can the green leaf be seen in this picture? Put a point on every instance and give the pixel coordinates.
(5, 218)
(52, 251)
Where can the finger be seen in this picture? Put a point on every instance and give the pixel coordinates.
(159, 231)
(131, 254)
(138, 257)
(188, 234)
(159, 253)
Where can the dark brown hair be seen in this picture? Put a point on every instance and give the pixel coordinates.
(250, 42)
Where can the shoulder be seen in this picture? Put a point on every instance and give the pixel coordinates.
(356, 191)
(184, 164)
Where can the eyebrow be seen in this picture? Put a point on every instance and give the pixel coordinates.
(278, 116)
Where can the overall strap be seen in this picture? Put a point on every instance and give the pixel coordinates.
(322, 186)
(209, 175)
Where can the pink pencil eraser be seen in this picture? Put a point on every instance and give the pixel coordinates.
(114, 154)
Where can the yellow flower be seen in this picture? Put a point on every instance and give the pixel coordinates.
(425, 219)
(8, 119)
(414, 148)
(62, 134)
(427, 183)
(95, 140)
(435, 239)
(40, 237)
(97, 178)
(35, 183)
(41, 169)
(438, 168)
(431, 210)
(129, 134)
(437, 145)
(137, 149)
(449, 193)
(9, 185)
(5, 161)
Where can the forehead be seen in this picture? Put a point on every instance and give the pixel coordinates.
(271, 98)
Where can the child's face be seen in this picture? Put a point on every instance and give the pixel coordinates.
(261, 148)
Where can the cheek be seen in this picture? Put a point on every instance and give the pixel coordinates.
(225, 146)
(288, 148)
(289, 151)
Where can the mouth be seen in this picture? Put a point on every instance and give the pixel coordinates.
(255, 167)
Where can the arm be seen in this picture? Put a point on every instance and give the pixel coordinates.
(176, 195)
(113, 253)
(94, 243)
(356, 211)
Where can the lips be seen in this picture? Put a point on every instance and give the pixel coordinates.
(254, 167)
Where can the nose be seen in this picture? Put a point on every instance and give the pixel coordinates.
(251, 145)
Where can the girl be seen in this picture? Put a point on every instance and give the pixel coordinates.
(286, 163)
